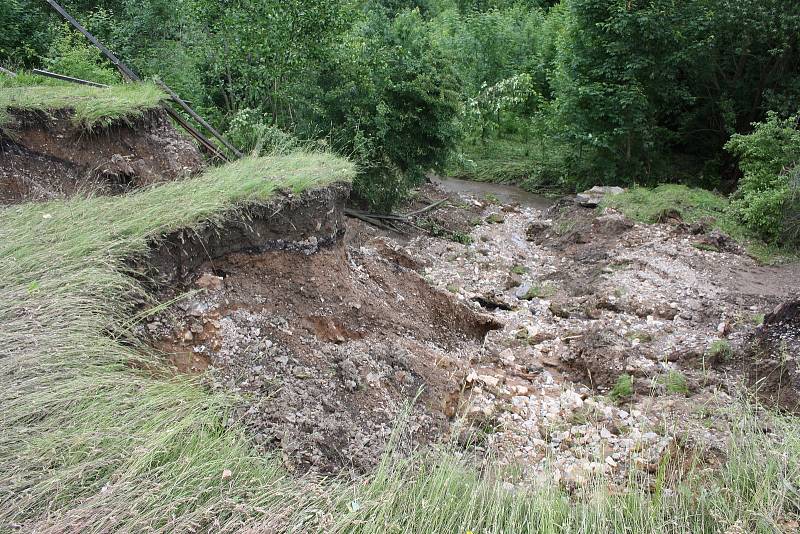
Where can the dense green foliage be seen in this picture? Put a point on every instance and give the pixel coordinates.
(552, 95)
(767, 197)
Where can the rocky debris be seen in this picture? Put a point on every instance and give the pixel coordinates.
(591, 198)
(327, 348)
(617, 299)
(719, 242)
(536, 228)
(611, 223)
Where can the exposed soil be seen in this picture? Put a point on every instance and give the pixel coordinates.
(327, 347)
(44, 156)
(513, 338)
(771, 360)
(299, 223)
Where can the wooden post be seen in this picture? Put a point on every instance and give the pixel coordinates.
(198, 118)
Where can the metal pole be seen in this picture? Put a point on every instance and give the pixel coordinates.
(126, 72)
(130, 75)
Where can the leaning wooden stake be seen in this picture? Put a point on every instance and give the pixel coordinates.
(128, 74)
(198, 118)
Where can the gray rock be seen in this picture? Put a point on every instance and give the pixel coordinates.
(522, 290)
(592, 197)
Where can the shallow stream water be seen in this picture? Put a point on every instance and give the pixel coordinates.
(507, 194)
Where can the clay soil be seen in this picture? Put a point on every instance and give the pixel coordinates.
(44, 156)
(328, 351)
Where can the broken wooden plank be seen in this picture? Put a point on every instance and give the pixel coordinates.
(7, 72)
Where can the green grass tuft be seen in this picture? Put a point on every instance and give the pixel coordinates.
(720, 350)
(623, 388)
(92, 106)
(675, 383)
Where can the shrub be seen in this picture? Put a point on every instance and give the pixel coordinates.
(72, 55)
(250, 131)
(767, 199)
(392, 103)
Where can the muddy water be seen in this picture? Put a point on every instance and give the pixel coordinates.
(507, 194)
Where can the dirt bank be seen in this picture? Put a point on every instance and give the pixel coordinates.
(45, 156)
(328, 340)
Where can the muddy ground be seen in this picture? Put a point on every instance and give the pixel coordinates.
(506, 331)
(44, 156)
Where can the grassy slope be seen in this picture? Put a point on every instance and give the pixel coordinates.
(92, 444)
(93, 106)
(82, 431)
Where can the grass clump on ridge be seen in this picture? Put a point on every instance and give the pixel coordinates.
(92, 106)
(93, 444)
(649, 205)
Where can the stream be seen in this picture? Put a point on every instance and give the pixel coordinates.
(506, 194)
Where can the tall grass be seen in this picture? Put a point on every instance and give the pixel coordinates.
(88, 442)
(92, 106)
(91, 444)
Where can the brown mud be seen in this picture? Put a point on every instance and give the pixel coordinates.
(44, 156)
(328, 339)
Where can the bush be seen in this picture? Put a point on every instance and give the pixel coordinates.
(766, 200)
(392, 102)
(250, 132)
(72, 55)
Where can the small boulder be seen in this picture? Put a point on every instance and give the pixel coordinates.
(536, 228)
(612, 224)
(210, 282)
(591, 198)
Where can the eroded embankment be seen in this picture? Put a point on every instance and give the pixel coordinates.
(330, 340)
(44, 155)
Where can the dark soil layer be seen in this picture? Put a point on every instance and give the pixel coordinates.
(772, 359)
(301, 223)
(44, 156)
